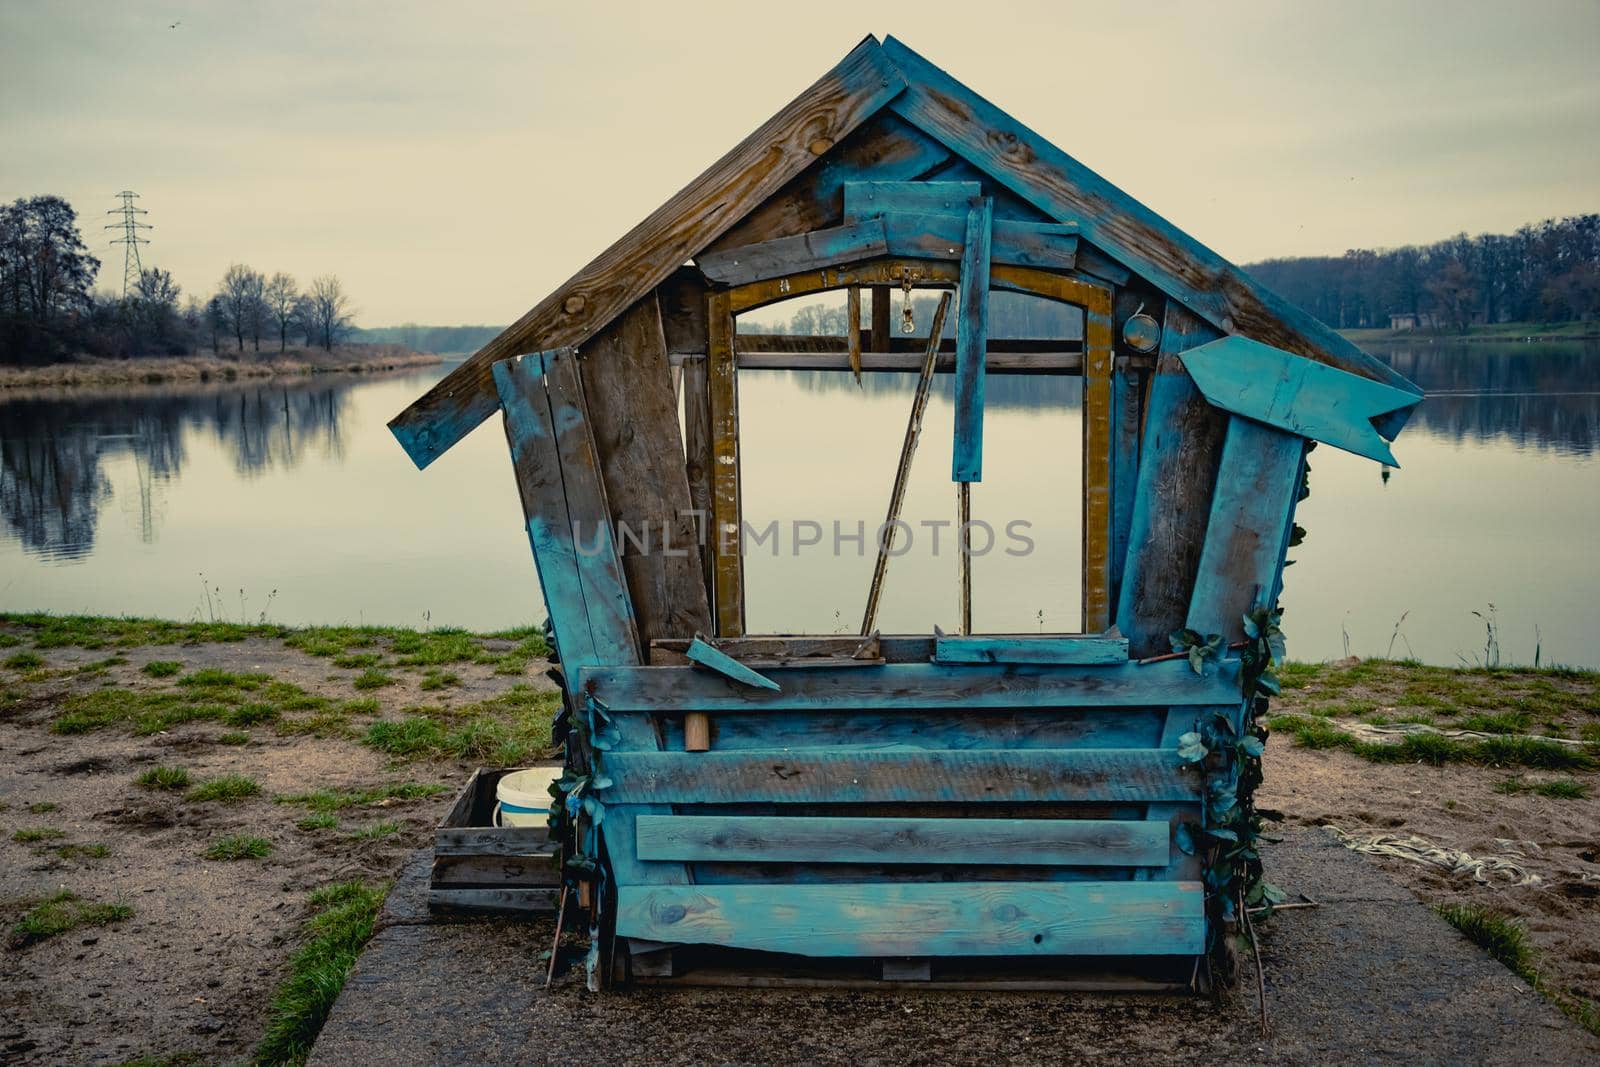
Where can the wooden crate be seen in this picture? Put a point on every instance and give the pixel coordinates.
(480, 867)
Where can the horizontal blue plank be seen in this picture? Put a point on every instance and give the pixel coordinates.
(865, 199)
(944, 728)
(1045, 245)
(923, 919)
(784, 839)
(793, 255)
(900, 776)
(1075, 651)
(915, 685)
(1296, 394)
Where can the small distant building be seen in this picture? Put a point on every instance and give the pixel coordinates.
(1414, 320)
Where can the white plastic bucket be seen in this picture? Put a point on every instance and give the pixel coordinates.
(522, 798)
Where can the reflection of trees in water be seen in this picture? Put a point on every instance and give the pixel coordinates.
(1539, 396)
(1536, 396)
(51, 449)
(1018, 392)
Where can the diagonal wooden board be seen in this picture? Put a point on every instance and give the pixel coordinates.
(733, 186)
(1131, 233)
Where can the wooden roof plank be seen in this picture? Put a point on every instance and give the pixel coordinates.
(1131, 233)
(756, 168)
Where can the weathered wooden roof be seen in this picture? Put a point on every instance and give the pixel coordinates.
(872, 78)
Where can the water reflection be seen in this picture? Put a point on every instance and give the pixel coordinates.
(54, 447)
(298, 487)
(1544, 396)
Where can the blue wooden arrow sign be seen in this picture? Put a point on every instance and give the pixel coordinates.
(1296, 394)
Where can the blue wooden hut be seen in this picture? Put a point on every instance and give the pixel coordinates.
(911, 807)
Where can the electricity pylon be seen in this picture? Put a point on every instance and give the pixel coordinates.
(130, 227)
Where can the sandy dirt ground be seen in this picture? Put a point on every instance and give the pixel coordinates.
(193, 970)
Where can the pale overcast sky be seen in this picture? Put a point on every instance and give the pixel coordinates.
(454, 162)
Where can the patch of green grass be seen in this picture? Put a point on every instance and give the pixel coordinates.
(1508, 722)
(93, 851)
(162, 668)
(9, 640)
(43, 807)
(239, 847)
(376, 830)
(95, 631)
(358, 659)
(334, 937)
(332, 800)
(328, 641)
(1503, 938)
(1590, 732)
(510, 728)
(214, 678)
(318, 820)
(61, 912)
(1556, 789)
(228, 789)
(163, 778)
(233, 737)
(250, 715)
(210, 695)
(439, 679)
(24, 661)
(372, 679)
(417, 735)
(1296, 675)
(331, 722)
(34, 834)
(435, 647)
(100, 666)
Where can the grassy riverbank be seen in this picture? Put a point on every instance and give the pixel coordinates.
(1500, 331)
(222, 367)
(197, 819)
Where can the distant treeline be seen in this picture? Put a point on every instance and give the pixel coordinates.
(438, 340)
(1010, 315)
(49, 310)
(1548, 272)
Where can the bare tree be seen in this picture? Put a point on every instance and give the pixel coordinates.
(243, 305)
(282, 297)
(330, 310)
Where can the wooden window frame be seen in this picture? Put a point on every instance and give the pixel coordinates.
(1096, 299)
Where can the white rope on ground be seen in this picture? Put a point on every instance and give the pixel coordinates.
(1363, 731)
(1505, 868)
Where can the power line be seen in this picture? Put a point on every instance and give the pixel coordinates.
(130, 227)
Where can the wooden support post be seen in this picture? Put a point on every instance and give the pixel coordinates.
(853, 330)
(697, 462)
(964, 553)
(630, 410)
(908, 450)
(1178, 459)
(882, 313)
(1248, 528)
(972, 337)
(558, 477)
(723, 393)
(1098, 428)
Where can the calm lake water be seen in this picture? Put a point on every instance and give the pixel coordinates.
(291, 498)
